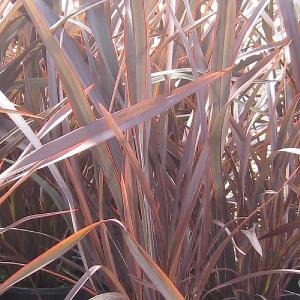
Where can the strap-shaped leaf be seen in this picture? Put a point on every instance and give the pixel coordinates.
(47, 257)
(69, 75)
(152, 270)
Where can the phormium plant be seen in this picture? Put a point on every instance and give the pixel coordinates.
(150, 148)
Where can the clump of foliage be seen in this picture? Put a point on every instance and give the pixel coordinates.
(150, 148)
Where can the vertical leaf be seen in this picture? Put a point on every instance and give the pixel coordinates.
(222, 54)
(220, 89)
(136, 50)
(287, 9)
(74, 91)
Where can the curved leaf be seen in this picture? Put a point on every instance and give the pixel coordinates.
(109, 296)
(47, 257)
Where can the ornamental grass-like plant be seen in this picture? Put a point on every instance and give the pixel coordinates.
(150, 148)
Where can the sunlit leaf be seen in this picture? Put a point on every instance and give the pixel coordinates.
(251, 235)
(290, 150)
